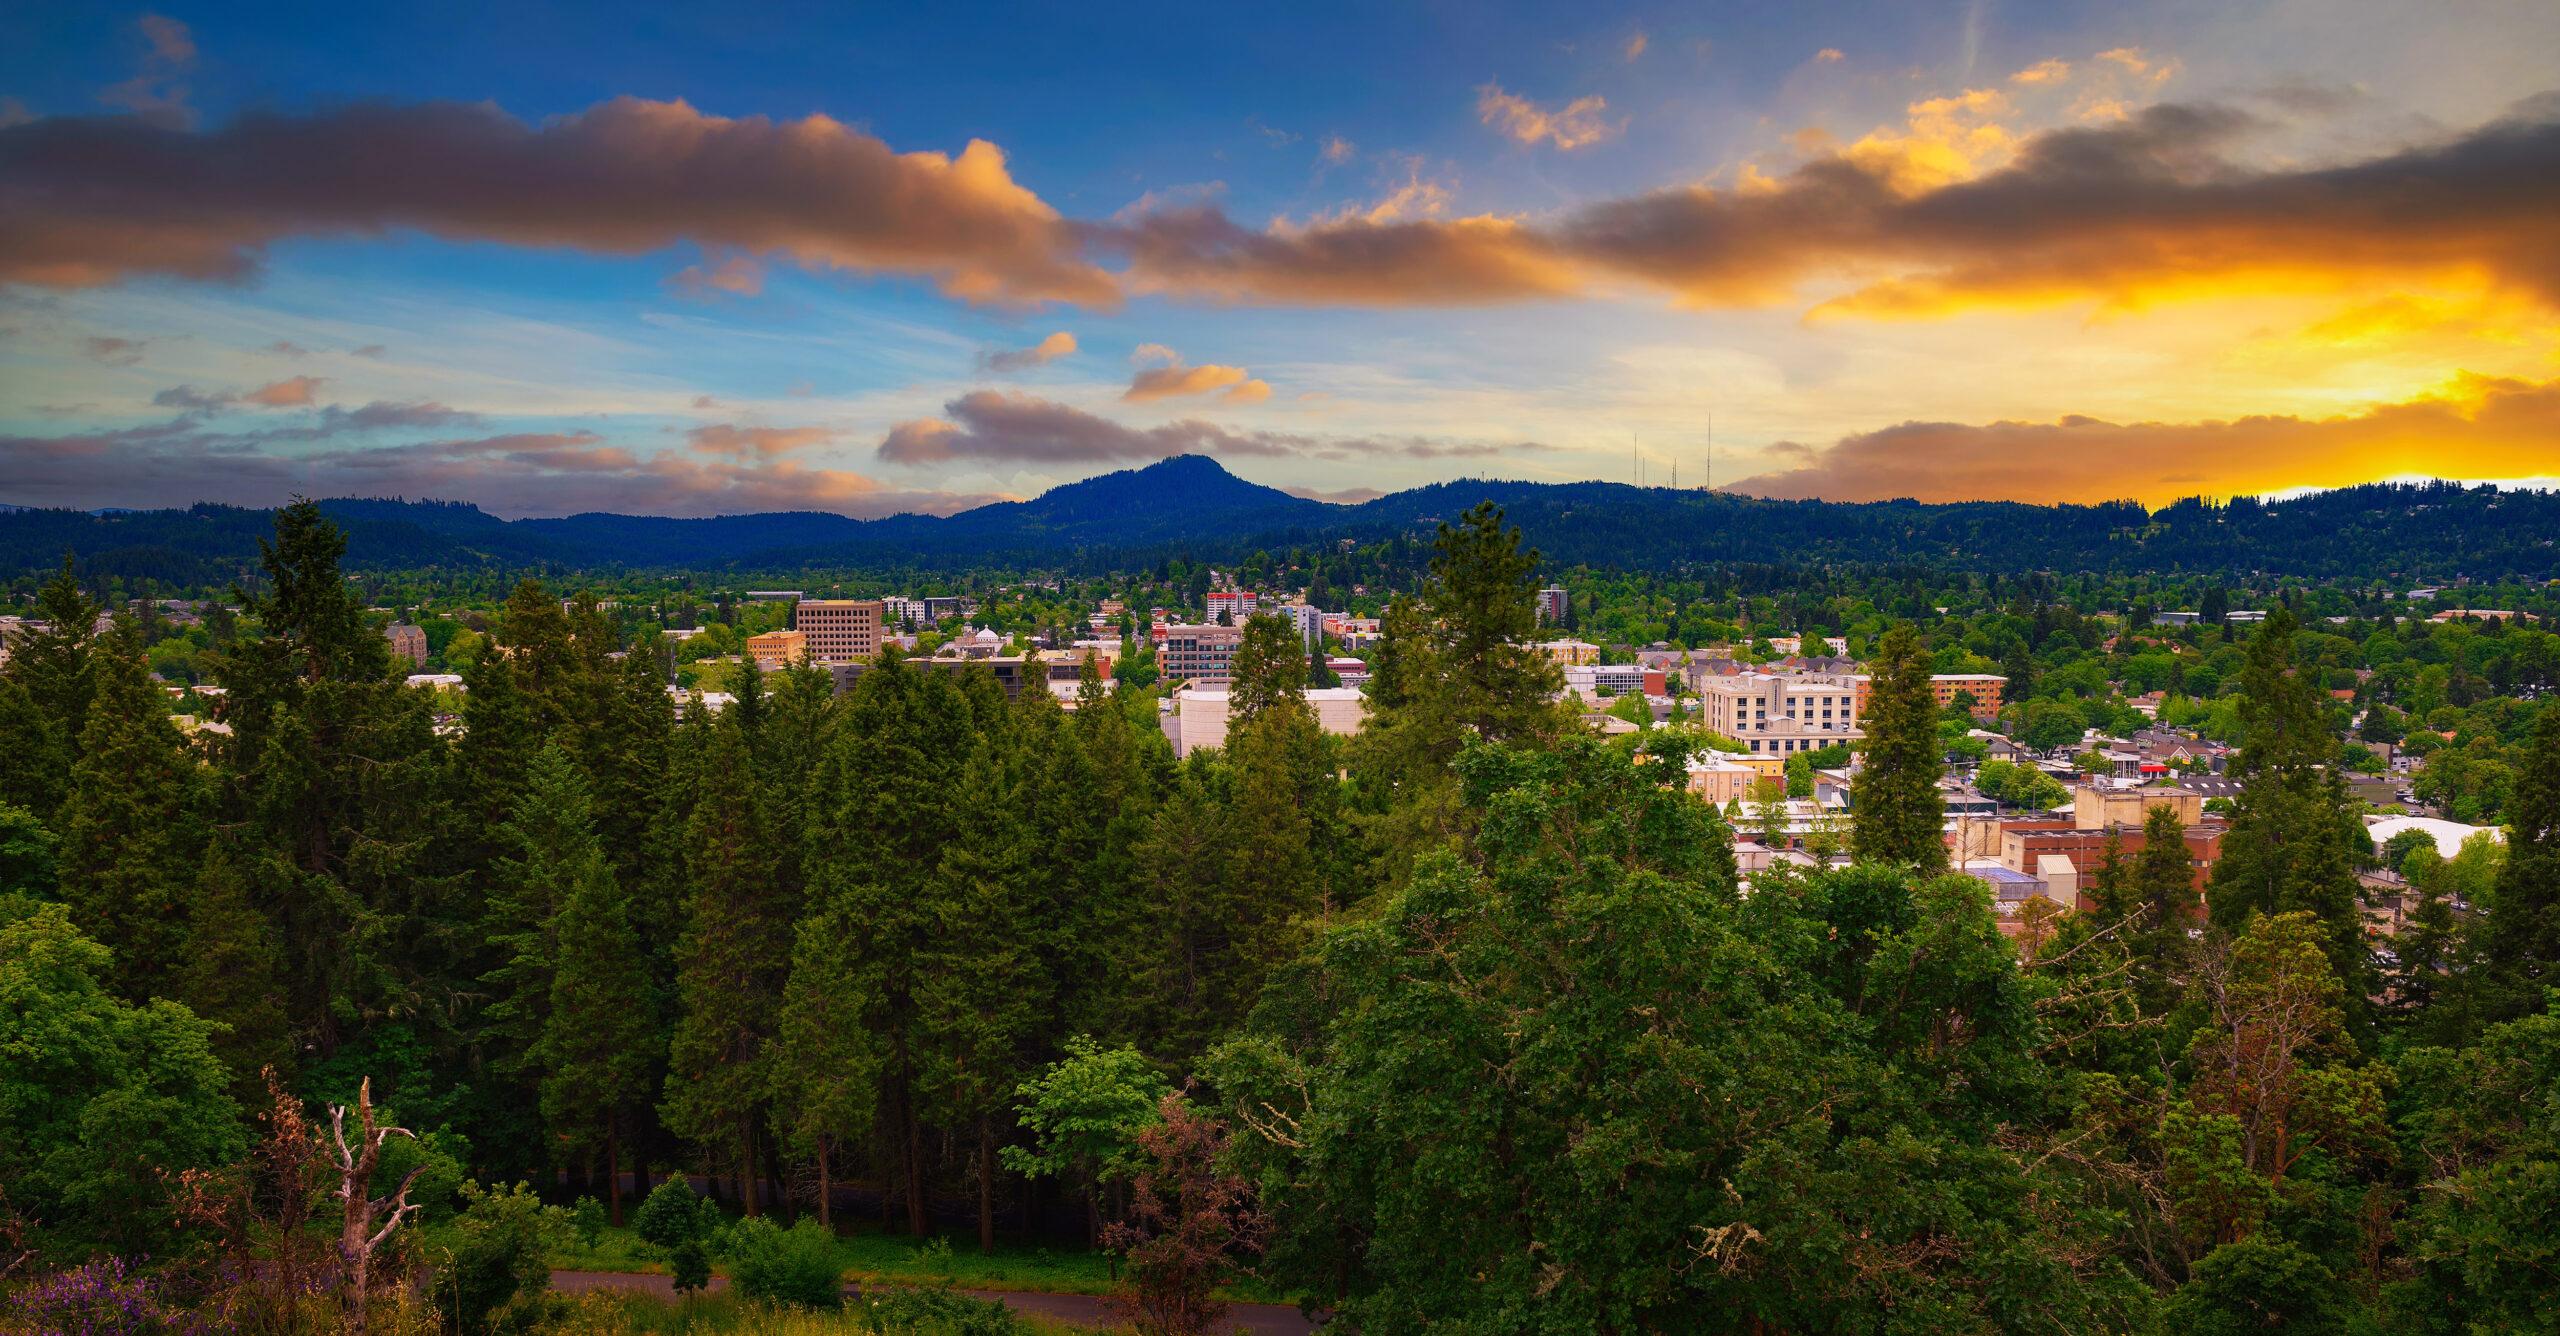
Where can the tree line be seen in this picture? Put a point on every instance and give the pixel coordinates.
(1473, 1015)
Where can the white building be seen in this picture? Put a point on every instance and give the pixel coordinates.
(1200, 715)
(1606, 679)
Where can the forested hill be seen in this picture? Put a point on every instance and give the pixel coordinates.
(1192, 505)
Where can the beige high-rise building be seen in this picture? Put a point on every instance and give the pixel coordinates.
(839, 630)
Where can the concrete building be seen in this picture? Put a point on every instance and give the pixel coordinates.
(1308, 620)
(1551, 603)
(1778, 715)
(1199, 715)
(407, 642)
(1613, 679)
(1720, 779)
(1199, 655)
(2096, 808)
(1234, 604)
(839, 630)
(1570, 653)
(940, 606)
(902, 610)
(777, 649)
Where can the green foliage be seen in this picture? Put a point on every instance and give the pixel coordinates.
(1582, 1002)
(1084, 1112)
(2257, 1285)
(500, 1260)
(674, 1214)
(587, 1221)
(98, 1097)
(1900, 813)
(795, 1266)
(935, 1311)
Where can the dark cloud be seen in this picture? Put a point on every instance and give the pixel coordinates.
(2159, 198)
(183, 461)
(86, 201)
(114, 351)
(1009, 427)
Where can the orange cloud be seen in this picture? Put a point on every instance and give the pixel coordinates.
(1050, 349)
(293, 392)
(1829, 55)
(737, 275)
(1577, 124)
(2153, 208)
(1636, 45)
(755, 442)
(97, 200)
(2043, 72)
(1168, 382)
(2472, 427)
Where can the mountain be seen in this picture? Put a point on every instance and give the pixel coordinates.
(1191, 505)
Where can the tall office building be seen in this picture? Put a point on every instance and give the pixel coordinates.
(839, 630)
(1551, 605)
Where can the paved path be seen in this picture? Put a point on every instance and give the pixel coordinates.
(1084, 1309)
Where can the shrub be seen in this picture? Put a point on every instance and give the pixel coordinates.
(673, 1216)
(936, 1312)
(501, 1256)
(587, 1219)
(795, 1266)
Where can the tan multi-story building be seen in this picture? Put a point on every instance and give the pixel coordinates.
(1778, 715)
(2094, 808)
(839, 630)
(408, 642)
(777, 649)
(1199, 655)
(1569, 653)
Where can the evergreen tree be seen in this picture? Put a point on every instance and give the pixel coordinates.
(229, 972)
(2521, 941)
(553, 857)
(1270, 667)
(2291, 827)
(328, 768)
(731, 963)
(1483, 596)
(1900, 815)
(599, 1049)
(133, 824)
(45, 688)
(980, 986)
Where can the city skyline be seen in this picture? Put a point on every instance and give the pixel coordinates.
(683, 263)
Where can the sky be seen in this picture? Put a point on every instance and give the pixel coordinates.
(698, 260)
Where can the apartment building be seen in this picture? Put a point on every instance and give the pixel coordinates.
(1234, 604)
(1569, 653)
(1198, 654)
(839, 630)
(408, 642)
(777, 649)
(1984, 688)
(1308, 621)
(1780, 715)
(1551, 604)
(905, 611)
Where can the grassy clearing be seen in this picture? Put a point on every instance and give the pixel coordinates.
(619, 1313)
(874, 1257)
(896, 1259)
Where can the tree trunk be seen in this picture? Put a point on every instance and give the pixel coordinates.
(770, 1149)
(986, 1185)
(826, 1189)
(613, 1171)
(915, 1171)
(747, 1171)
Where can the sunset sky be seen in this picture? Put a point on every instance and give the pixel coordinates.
(683, 260)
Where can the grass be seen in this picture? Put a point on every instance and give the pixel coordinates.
(871, 1256)
(621, 1313)
(895, 1259)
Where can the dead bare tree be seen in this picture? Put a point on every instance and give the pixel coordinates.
(358, 1238)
